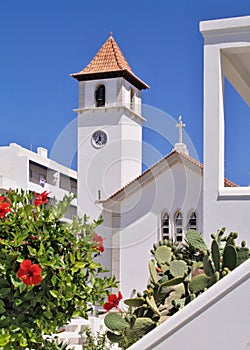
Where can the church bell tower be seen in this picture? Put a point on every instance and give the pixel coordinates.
(109, 127)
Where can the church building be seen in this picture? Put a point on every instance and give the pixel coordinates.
(138, 209)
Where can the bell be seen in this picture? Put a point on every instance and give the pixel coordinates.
(100, 96)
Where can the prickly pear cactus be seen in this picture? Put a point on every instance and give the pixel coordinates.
(178, 274)
(242, 253)
(215, 250)
(178, 268)
(163, 254)
(196, 241)
(115, 322)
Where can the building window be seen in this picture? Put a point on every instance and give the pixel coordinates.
(100, 96)
(192, 221)
(178, 227)
(165, 226)
(132, 99)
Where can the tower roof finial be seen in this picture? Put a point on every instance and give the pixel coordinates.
(111, 34)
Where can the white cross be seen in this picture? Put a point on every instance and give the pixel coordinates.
(180, 126)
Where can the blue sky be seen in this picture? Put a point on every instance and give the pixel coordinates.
(42, 42)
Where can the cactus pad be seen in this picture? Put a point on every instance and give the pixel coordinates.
(141, 326)
(134, 302)
(178, 268)
(114, 338)
(207, 265)
(194, 238)
(242, 255)
(172, 282)
(151, 302)
(199, 283)
(152, 271)
(229, 257)
(115, 322)
(215, 249)
(163, 254)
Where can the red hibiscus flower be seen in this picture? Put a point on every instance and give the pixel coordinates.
(29, 273)
(99, 241)
(113, 301)
(4, 206)
(41, 198)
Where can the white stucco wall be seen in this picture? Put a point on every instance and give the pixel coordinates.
(178, 187)
(228, 207)
(108, 168)
(14, 171)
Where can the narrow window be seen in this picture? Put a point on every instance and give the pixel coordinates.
(192, 221)
(100, 96)
(132, 99)
(165, 226)
(178, 227)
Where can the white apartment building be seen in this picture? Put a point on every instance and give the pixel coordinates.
(22, 168)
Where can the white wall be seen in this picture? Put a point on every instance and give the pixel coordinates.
(14, 171)
(169, 188)
(108, 168)
(228, 207)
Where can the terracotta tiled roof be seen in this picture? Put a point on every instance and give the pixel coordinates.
(227, 183)
(109, 62)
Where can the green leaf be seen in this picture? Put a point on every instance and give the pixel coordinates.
(32, 251)
(4, 339)
(2, 308)
(54, 293)
(80, 265)
(41, 249)
(15, 281)
(23, 342)
(72, 258)
(54, 280)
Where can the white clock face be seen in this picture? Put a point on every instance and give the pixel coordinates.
(99, 138)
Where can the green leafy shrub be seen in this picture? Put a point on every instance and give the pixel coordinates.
(48, 272)
(178, 274)
(96, 341)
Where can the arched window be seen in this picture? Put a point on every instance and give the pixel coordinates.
(192, 221)
(100, 96)
(132, 99)
(165, 234)
(178, 227)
